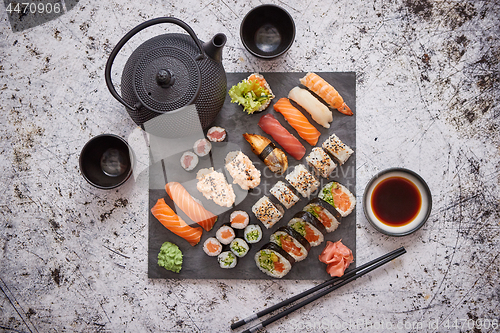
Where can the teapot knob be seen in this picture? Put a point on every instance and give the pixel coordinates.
(164, 78)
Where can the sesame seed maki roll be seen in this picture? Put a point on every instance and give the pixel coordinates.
(239, 247)
(252, 233)
(284, 194)
(321, 162)
(292, 242)
(212, 247)
(227, 259)
(337, 148)
(339, 197)
(303, 181)
(325, 213)
(225, 234)
(267, 212)
(308, 227)
(273, 260)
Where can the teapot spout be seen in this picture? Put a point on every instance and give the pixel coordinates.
(213, 48)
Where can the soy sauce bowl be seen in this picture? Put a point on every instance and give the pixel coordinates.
(106, 161)
(390, 190)
(267, 31)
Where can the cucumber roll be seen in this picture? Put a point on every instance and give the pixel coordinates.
(273, 260)
(325, 213)
(252, 233)
(308, 227)
(227, 259)
(292, 242)
(239, 247)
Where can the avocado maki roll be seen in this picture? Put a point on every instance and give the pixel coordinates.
(273, 260)
(325, 213)
(239, 247)
(308, 227)
(252, 233)
(227, 259)
(339, 197)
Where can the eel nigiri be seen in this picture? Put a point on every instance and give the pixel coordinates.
(326, 91)
(297, 120)
(189, 206)
(174, 223)
(319, 112)
(273, 157)
(290, 143)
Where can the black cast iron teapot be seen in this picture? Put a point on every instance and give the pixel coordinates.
(170, 71)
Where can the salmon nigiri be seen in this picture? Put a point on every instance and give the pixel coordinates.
(326, 91)
(291, 144)
(174, 223)
(297, 120)
(189, 206)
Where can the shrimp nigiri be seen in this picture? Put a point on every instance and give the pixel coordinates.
(326, 91)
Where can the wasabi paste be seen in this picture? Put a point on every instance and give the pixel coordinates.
(170, 257)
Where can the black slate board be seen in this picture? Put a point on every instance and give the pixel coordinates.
(197, 265)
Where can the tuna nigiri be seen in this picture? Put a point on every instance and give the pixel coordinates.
(174, 223)
(290, 143)
(319, 112)
(326, 91)
(297, 120)
(189, 206)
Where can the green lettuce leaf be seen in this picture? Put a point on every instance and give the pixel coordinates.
(249, 94)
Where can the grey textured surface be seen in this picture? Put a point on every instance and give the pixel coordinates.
(74, 258)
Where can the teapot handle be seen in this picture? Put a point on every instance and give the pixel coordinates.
(130, 34)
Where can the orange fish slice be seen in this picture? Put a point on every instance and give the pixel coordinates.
(189, 206)
(174, 223)
(326, 91)
(297, 120)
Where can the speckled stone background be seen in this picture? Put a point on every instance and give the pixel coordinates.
(74, 258)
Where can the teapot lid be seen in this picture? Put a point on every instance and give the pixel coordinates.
(166, 78)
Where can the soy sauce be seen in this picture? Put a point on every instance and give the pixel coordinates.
(396, 201)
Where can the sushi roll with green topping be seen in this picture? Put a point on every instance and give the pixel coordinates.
(252, 233)
(239, 247)
(227, 259)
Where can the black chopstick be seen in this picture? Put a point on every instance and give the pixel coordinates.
(348, 277)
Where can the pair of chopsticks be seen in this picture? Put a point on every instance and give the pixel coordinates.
(329, 285)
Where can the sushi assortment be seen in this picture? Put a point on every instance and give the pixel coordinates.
(291, 242)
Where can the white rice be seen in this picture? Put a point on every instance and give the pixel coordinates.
(239, 225)
(214, 241)
(227, 259)
(202, 147)
(303, 181)
(273, 273)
